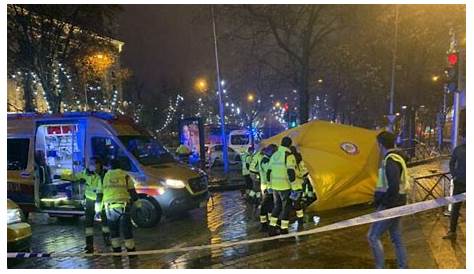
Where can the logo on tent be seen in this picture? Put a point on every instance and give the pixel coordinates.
(350, 148)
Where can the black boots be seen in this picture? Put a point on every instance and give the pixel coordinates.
(117, 249)
(106, 237)
(89, 244)
(300, 224)
(273, 231)
(131, 250)
(264, 227)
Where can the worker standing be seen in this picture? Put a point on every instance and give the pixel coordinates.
(297, 186)
(390, 192)
(117, 194)
(246, 158)
(92, 176)
(266, 205)
(457, 168)
(183, 152)
(255, 176)
(281, 174)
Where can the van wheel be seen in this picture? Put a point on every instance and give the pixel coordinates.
(148, 215)
(67, 220)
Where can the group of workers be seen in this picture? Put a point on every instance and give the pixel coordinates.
(110, 192)
(277, 181)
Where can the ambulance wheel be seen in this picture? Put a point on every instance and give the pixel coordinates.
(148, 215)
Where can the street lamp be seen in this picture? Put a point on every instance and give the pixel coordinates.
(250, 97)
(201, 84)
(278, 104)
(320, 81)
(435, 78)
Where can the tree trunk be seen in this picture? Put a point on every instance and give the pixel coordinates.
(28, 93)
(304, 94)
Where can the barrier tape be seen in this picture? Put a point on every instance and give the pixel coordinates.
(364, 219)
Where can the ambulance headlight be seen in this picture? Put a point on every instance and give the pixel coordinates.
(14, 216)
(173, 183)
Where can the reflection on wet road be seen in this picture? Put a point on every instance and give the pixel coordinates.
(229, 218)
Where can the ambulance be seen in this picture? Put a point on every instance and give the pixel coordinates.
(42, 146)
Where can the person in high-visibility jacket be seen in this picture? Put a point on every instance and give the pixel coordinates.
(281, 173)
(254, 168)
(246, 158)
(92, 176)
(183, 152)
(391, 189)
(297, 186)
(117, 194)
(266, 205)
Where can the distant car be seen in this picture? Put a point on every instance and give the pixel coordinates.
(18, 231)
(214, 155)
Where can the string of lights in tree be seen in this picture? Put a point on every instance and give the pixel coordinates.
(172, 108)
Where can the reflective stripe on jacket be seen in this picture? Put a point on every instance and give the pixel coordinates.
(92, 181)
(280, 162)
(382, 182)
(116, 186)
(301, 172)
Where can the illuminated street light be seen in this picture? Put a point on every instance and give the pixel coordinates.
(320, 81)
(250, 97)
(201, 84)
(277, 104)
(435, 78)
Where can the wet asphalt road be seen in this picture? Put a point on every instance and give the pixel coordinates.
(230, 218)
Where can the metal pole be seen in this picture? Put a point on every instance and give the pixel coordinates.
(85, 95)
(219, 87)
(394, 60)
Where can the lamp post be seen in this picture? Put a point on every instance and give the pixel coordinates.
(391, 116)
(219, 91)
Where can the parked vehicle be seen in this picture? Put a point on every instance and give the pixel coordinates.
(41, 146)
(214, 155)
(18, 231)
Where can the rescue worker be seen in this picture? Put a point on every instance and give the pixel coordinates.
(117, 194)
(266, 205)
(390, 192)
(457, 168)
(255, 176)
(183, 152)
(297, 187)
(281, 173)
(92, 176)
(246, 159)
(308, 193)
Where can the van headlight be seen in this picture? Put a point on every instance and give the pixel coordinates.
(14, 216)
(174, 183)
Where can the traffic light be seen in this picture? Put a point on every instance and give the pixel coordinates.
(451, 72)
(292, 120)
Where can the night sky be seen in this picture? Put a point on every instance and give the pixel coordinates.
(164, 45)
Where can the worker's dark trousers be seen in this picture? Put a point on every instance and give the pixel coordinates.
(281, 204)
(298, 205)
(459, 187)
(266, 206)
(119, 220)
(89, 221)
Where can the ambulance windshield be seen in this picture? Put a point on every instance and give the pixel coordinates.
(147, 150)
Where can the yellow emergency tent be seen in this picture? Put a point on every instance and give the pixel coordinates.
(342, 161)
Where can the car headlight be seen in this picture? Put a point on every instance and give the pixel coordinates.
(14, 216)
(174, 183)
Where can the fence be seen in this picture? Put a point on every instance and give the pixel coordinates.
(431, 186)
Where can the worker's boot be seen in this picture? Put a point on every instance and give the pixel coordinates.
(131, 250)
(264, 227)
(117, 249)
(89, 244)
(106, 237)
(272, 231)
(284, 231)
(300, 224)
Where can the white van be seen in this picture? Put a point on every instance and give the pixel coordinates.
(41, 146)
(239, 140)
